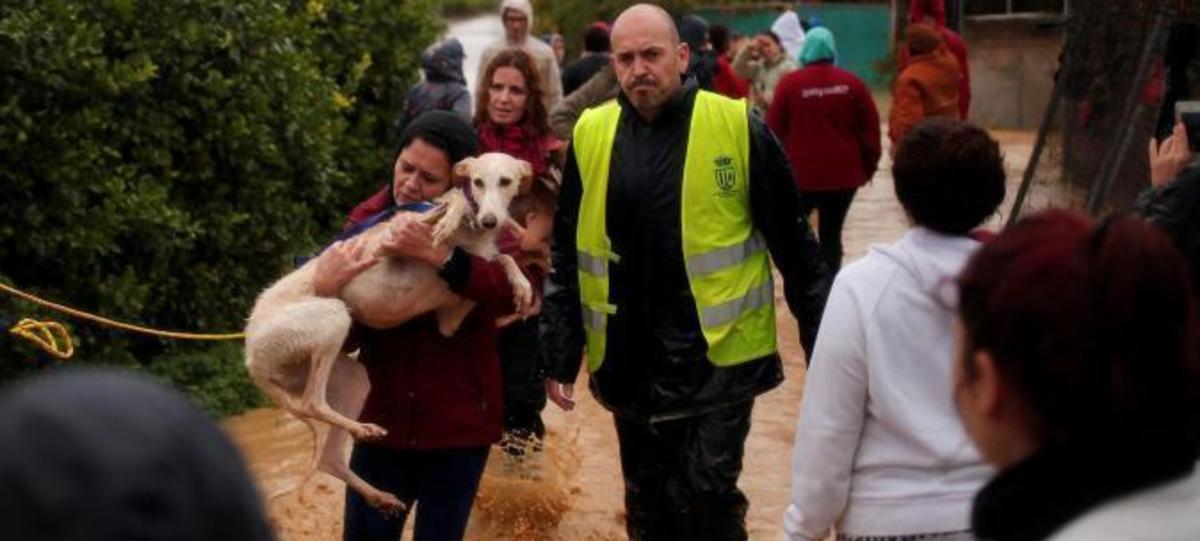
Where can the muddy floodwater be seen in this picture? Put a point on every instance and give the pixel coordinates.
(574, 490)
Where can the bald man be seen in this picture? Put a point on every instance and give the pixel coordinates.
(672, 199)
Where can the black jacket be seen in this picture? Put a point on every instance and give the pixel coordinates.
(656, 365)
(580, 71)
(1175, 208)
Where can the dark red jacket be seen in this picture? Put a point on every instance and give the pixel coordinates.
(435, 392)
(829, 126)
(519, 142)
(933, 8)
(727, 83)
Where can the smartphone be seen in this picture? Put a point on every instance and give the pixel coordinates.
(1188, 112)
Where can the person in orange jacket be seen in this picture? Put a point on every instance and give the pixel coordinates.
(927, 87)
(933, 13)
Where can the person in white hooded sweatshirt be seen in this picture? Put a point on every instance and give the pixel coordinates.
(880, 451)
(517, 16)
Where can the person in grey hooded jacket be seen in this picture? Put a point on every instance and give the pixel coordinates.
(444, 87)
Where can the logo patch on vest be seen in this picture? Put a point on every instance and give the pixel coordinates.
(726, 176)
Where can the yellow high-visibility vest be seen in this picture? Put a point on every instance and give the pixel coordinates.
(726, 258)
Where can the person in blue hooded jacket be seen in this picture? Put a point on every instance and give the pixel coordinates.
(444, 87)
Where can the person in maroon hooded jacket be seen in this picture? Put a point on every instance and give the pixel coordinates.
(827, 121)
(439, 397)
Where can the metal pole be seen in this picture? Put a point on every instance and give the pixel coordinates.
(1133, 106)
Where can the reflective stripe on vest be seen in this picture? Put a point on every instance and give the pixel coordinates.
(728, 269)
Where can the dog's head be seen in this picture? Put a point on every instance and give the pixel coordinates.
(491, 181)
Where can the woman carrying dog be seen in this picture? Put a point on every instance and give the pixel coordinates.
(1078, 377)
(439, 398)
(511, 117)
(880, 451)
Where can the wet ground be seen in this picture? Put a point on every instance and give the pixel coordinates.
(578, 494)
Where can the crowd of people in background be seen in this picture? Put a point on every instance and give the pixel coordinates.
(1043, 382)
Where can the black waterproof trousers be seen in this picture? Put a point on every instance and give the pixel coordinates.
(524, 390)
(681, 475)
(831, 207)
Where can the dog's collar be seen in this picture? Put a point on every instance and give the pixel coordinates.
(419, 206)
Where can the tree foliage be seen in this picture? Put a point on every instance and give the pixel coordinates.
(163, 161)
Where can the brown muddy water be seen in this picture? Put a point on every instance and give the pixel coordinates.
(577, 494)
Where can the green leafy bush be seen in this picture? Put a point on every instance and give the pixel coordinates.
(215, 378)
(459, 8)
(571, 18)
(162, 162)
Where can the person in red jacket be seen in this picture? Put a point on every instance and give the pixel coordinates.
(726, 82)
(439, 397)
(920, 9)
(827, 121)
(933, 13)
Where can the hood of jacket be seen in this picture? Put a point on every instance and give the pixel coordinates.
(693, 30)
(524, 7)
(818, 46)
(89, 454)
(443, 62)
(933, 260)
(791, 34)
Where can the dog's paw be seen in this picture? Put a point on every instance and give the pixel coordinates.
(367, 431)
(386, 503)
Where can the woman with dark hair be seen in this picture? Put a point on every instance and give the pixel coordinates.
(437, 396)
(91, 454)
(763, 62)
(510, 117)
(880, 452)
(1079, 379)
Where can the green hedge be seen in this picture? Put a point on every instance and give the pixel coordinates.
(571, 18)
(163, 161)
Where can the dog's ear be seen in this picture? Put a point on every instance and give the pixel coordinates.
(525, 171)
(461, 175)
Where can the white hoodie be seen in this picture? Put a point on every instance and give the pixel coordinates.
(879, 446)
(791, 34)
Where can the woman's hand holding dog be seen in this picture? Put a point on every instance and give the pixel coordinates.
(414, 239)
(339, 264)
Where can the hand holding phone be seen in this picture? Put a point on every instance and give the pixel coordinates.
(1168, 158)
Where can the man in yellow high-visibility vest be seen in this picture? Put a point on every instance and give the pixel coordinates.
(672, 200)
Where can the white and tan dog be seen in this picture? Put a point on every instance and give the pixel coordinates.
(294, 338)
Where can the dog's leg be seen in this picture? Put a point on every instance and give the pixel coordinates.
(457, 208)
(522, 290)
(348, 387)
(326, 338)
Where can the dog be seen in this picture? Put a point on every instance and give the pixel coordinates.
(294, 338)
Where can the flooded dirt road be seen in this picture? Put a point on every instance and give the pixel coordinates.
(578, 495)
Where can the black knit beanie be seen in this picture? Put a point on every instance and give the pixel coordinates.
(445, 130)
